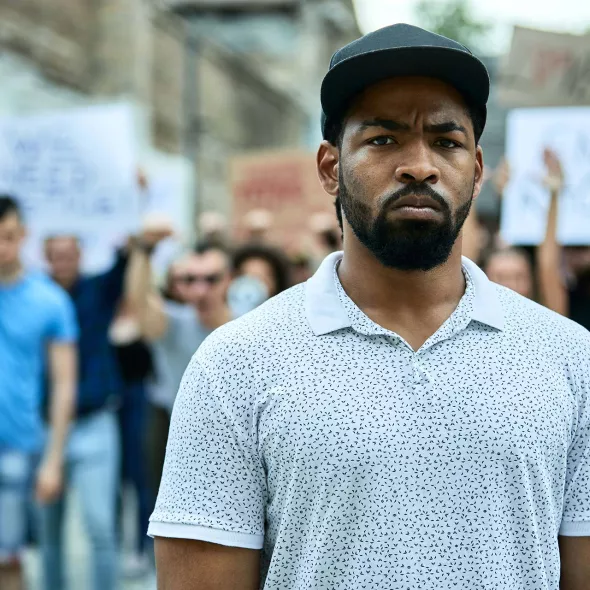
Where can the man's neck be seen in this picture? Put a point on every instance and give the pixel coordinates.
(413, 304)
(216, 317)
(11, 273)
(65, 284)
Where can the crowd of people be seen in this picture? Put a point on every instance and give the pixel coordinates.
(90, 366)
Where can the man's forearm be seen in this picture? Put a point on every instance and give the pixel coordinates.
(62, 400)
(138, 279)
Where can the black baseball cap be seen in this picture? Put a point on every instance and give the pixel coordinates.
(401, 50)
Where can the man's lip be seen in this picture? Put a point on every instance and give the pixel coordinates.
(417, 202)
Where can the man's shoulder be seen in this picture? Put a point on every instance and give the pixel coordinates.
(531, 319)
(261, 329)
(46, 292)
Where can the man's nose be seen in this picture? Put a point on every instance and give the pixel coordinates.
(417, 165)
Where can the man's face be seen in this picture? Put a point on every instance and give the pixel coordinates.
(407, 171)
(63, 256)
(11, 237)
(202, 280)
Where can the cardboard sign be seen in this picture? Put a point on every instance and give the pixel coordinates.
(546, 69)
(284, 183)
(526, 200)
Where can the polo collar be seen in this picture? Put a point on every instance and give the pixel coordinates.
(326, 314)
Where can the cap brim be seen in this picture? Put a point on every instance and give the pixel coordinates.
(458, 68)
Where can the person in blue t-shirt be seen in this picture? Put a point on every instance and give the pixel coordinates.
(38, 331)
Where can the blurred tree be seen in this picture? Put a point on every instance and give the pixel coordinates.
(453, 19)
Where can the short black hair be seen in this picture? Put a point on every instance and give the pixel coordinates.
(201, 248)
(275, 258)
(9, 205)
(335, 127)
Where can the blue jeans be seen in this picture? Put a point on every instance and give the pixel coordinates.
(92, 466)
(132, 420)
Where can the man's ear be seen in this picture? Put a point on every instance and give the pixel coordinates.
(479, 175)
(328, 159)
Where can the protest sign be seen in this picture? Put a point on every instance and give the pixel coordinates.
(74, 172)
(526, 200)
(284, 183)
(545, 69)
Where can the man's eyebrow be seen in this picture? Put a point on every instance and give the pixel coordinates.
(388, 124)
(446, 127)
(392, 125)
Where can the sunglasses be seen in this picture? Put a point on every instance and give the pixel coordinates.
(190, 279)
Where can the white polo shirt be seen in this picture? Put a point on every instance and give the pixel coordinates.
(309, 431)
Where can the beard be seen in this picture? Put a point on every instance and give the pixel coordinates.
(405, 244)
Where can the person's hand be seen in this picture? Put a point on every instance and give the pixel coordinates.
(49, 481)
(554, 178)
(142, 180)
(501, 176)
(155, 230)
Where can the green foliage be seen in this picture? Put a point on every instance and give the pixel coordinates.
(453, 19)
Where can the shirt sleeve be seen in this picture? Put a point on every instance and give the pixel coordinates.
(62, 325)
(576, 513)
(213, 486)
(112, 282)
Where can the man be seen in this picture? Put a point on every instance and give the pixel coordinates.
(175, 330)
(93, 450)
(37, 331)
(399, 421)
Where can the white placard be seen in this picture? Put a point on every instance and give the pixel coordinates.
(74, 172)
(526, 200)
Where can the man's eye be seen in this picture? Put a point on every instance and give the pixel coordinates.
(382, 140)
(447, 143)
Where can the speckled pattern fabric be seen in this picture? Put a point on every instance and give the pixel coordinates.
(356, 463)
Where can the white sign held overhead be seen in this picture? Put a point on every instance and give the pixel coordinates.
(524, 208)
(73, 172)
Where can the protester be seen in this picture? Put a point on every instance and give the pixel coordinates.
(213, 228)
(265, 263)
(93, 449)
(400, 421)
(176, 332)
(158, 397)
(135, 364)
(512, 268)
(573, 300)
(37, 330)
(258, 224)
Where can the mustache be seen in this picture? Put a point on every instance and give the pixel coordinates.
(420, 189)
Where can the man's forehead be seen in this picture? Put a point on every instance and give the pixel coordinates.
(211, 259)
(409, 97)
(10, 221)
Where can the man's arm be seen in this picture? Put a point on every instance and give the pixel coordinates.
(552, 290)
(575, 563)
(195, 565)
(145, 301)
(63, 375)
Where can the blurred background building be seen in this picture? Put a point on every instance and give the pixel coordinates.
(208, 79)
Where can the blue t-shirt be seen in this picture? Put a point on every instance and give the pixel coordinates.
(34, 312)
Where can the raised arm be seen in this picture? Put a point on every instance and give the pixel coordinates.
(140, 293)
(196, 565)
(551, 288)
